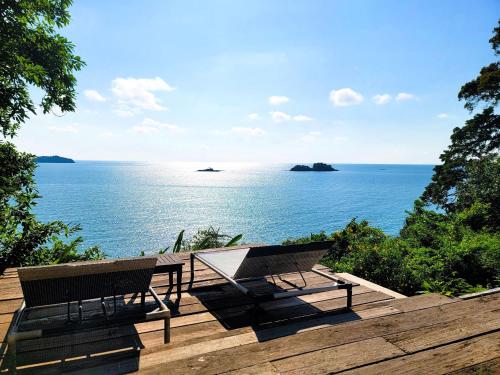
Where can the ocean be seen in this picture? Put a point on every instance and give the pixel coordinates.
(126, 207)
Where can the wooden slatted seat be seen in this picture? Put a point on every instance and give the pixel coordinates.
(60, 286)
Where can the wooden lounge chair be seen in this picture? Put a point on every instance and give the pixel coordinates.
(56, 288)
(240, 265)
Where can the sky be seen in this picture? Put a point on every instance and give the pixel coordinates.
(267, 81)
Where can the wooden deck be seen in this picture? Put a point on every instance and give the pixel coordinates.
(212, 333)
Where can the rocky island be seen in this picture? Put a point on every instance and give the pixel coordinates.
(317, 167)
(53, 159)
(209, 170)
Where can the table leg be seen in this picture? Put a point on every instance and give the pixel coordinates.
(179, 284)
(191, 259)
(171, 279)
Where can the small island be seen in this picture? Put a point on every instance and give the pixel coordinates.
(209, 170)
(317, 167)
(53, 159)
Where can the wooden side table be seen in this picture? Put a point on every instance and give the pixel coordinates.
(171, 263)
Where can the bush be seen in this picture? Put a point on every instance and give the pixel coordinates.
(449, 254)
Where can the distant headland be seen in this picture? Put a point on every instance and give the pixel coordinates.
(209, 170)
(317, 167)
(53, 159)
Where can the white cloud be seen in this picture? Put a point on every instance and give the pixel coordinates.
(280, 116)
(64, 129)
(144, 129)
(277, 100)
(94, 96)
(345, 97)
(251, 132)
(381, 99)
(136, 94)
(158, 124)
(301, 118)
(311, 136)
(123, 112)
(254, 116)
(149, 126)
(443, 115)
(402, 96)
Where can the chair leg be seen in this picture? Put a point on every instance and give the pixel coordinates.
(349, 296)
(166, 338)
(143, 299)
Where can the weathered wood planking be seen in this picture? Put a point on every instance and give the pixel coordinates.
(295, 344)
(441, 360)
(378, 330)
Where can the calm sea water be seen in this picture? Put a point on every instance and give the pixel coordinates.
(126, 207)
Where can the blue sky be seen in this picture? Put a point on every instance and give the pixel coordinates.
(267, 81)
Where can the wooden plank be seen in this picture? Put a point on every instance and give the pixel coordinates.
(266, 351)
(421, 302)
(203, 345)
(409, 341)
(9, 307)
(153, 343)
(151, 338)
(426, 337)
(485, 368)
(259, 369)
(441, 360)
(6, 318)
(369, 284)
(338, 358)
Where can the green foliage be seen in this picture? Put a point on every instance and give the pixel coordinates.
(178, 243)
(470, 165)
(313, 237)
(449, 254)
(32, 53)
(208, 238)
(485, 87)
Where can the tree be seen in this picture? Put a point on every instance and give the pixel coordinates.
(474, 147)
(32, 54)
(485, 86)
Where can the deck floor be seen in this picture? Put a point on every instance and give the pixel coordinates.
(212, 332)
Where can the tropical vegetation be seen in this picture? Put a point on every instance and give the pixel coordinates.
(33, 55)
(209, 238)
(450, 242)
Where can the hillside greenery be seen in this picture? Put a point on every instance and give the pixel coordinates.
(33, 54)
(450, 242)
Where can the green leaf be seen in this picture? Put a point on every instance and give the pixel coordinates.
(178, 243)
(234, 240)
